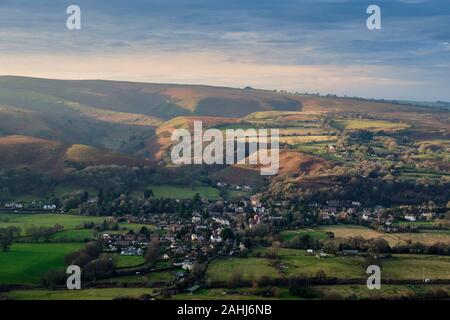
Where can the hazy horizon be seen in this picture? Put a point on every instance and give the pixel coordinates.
(219, 86)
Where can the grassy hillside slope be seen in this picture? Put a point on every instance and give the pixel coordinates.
(53, 156)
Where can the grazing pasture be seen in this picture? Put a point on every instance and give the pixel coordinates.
(298, 262)
(293, 140)
(370, 125)
(26, 263)
(387, 291)
(136, 227)
(400, 266)
(160, 276)
(250, 268)
(77, 235)
(222, 294)
(126, 261)
(346, 231)
(293, 263)
(351, 292)
(180, 192)
(24, 221)
(86, 294)
(313, 233)
(428, 237)
(412, 266)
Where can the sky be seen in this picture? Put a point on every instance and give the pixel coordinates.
(311, 46)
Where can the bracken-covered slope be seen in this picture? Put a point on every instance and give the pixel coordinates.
(55, 122)
(54, 157)
(161, 101)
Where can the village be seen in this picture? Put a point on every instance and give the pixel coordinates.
(209, 234)
(193, 245)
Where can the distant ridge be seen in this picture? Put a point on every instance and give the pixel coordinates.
(120, 122)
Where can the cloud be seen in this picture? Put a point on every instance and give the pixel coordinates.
(330, 34)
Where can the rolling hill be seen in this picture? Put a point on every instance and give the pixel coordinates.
(158, 146)
(54, 157)
(161, 101)
(50, 123)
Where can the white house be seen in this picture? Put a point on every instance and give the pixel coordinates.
(132, 252)
(187, 265)
(215, 238)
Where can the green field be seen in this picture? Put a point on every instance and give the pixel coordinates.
(409, 266)
(299, 262)
(161, 276)
(24, 221)
(332, 292)
(327, 292)
(26, 263)
(250, 268)
(127, 261)
(341, 231)
(76, 235)
(235, 194)
(295, 262)
(24, 197)
(88, 294)
(235, 126)
(298, 140)
(59, 191)
(179, 192)
(293, 117)
(346, 231)
(370, 125)
(400, 266)
(386, 291)
(428, 237)
(318, 148)
(313, 233)
(223, 294)
(300, 131)
(413, 174)
(425, 224)
(64, 189)
(136, 227)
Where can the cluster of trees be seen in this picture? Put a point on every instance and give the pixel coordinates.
(37, 233)
(369, 246)
(367, 190)
(92, 263)
(439, 248)
(82, 257)
(113, 184)
(107, 224)
(304, 242)
(7, 235)
(153, 251)
(122, 203)
(301, 286)
(407, 228)
(333, 246)
(89, 259)
(117, 179)
(25, 181)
